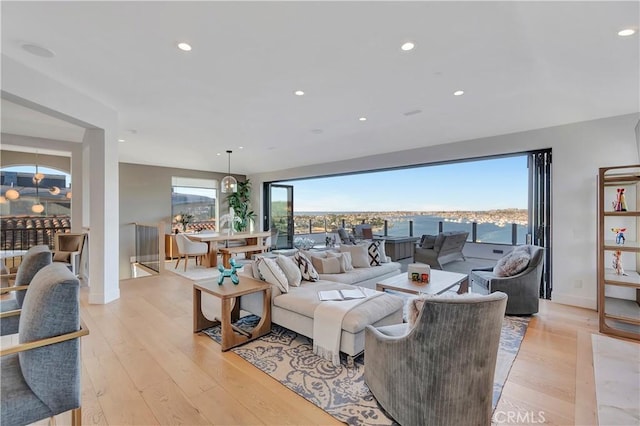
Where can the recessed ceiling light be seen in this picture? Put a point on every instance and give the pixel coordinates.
(458, 93)
(362, 118)
(218, 154)
(34, 49)
(298, 93)
(316, 131)
(626, 32)
(408, 46)
(241, 147)
(184, 46)
(120, 140)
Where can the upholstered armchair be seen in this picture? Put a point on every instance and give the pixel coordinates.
(68, 249)
(36, 258)
(439, 371)
(438, 250)
(187, 248)
(523, 287)
(41, 374)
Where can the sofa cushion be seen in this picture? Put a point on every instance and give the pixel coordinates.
(307, 270)
(512, 263)
(272, 274)
(361, 274)
(359, 255)
(345, 260)
(374, 253)
(383, 252)
(290, 269)
(326, 264)
(304, 300)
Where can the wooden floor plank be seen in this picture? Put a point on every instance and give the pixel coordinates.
(586, 406)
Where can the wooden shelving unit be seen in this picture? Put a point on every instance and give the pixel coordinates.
(619, 295)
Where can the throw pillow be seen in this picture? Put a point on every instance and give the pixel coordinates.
(326, 265)
(512, 264)
(345, 260)
(428, 241)
(290, 269)
(383, 252)
(255, 270)
(359, 255)
(272, 274)
(307, 270)
(374, 253)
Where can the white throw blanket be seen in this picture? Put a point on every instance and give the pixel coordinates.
(327, 325)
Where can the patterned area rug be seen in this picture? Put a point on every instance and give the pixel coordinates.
(341, 391)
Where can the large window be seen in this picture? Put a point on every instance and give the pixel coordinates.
(488, 198)
(197, 198)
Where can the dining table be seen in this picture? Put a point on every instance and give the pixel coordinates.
(213, 238)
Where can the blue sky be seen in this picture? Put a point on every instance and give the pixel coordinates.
(476, 185)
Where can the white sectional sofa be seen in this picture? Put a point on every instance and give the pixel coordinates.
(294, 310)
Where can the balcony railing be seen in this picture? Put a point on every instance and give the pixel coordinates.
(22, 233)
(502, 233)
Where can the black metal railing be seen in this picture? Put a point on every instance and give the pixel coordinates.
(22, 233)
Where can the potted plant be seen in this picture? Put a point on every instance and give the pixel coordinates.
(239, 201)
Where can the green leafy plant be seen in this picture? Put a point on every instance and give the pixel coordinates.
(240, 203)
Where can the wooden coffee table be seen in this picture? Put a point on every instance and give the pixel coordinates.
(441, 281)
(232, 336)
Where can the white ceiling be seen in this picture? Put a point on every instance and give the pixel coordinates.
(523, 65)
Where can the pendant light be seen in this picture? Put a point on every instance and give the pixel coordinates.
(12, 194)
(229, 183)
(37, 178)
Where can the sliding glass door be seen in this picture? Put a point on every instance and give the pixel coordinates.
(279, 212)
(540, 211)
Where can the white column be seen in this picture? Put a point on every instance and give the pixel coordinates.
(77, 201)
(102, 171)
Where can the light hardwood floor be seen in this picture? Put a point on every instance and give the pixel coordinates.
(143, 365)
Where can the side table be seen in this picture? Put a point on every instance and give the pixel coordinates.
(232, 336)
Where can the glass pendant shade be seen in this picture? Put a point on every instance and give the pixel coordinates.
(12, 194)
(3, 199)
(229, 183)
(37, 208)
(54, 190)
(68, 195)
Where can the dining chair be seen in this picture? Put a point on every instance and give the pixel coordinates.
(187, 248)
(41, 374)
(36, 258)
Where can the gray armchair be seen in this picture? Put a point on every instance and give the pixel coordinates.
(522, 288)
(41, 374)
(441, 249)
(36, 258)
(440, 371)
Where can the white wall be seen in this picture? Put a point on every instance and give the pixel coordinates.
(578, 151)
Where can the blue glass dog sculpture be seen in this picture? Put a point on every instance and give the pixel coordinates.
(231, 273)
